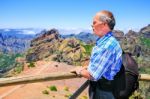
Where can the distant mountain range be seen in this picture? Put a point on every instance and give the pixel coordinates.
(40, 43)
(18, 40)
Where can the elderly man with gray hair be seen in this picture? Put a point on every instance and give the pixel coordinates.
(106, 58)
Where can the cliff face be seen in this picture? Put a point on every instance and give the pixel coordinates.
(44, 45)
(145, 31)
(50, 43)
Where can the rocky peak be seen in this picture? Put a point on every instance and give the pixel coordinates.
(67, 50)
(131, 33)
(145, 31)
(47, 36)
(118, 33)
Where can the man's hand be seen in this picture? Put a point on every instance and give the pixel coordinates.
(81, 72)
(77, 70)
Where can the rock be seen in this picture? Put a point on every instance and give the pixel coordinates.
(145, 31)
(69, 50)
(44, 45)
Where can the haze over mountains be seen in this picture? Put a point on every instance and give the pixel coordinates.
(18, 40)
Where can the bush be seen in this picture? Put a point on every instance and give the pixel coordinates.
(52, 88)
(68, 95)
(18, 68)
(84, 97)
(45, 92)
(31, 64)
(66, 88)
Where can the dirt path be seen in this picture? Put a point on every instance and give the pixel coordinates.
(34, 90)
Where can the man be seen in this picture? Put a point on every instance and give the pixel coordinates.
(106, 57)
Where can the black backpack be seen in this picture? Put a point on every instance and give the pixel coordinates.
(126, 80)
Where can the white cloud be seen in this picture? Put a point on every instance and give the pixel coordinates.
(6, 30)
(73, 31)
(28, 32)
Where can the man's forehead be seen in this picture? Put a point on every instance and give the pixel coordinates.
(100, 14)
(97, 16)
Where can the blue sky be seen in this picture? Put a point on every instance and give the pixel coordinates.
(72, 14)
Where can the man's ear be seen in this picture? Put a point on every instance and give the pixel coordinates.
(107, 26)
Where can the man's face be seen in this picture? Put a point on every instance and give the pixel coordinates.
(97, 26)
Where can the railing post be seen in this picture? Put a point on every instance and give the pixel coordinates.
(79, 91)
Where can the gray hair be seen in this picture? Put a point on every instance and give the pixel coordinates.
(110, 21)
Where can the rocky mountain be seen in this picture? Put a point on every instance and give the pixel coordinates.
(145, 31)
(144, 34)
(69, 50)
(16, 40)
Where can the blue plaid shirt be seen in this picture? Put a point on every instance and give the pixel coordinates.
(106, 58)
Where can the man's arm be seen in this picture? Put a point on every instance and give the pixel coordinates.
(98, 66)
(100, 63)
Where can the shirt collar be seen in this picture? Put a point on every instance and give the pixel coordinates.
(99, 40)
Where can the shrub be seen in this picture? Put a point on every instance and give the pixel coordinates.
(84, 97)
(66, 88)
(31, 64)
(68, 95)
(45, 92)
(52, 88)
(18, 68)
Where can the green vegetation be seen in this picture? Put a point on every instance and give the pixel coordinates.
(136, 95)
(45, 92)
(7, 61)
(144, 89)
(66, 88)
(68, 95)
(144, 70)
(18, 68)
(31, 64)
(52, 88)
(88, 48)
(145, 41)
(84, 97)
